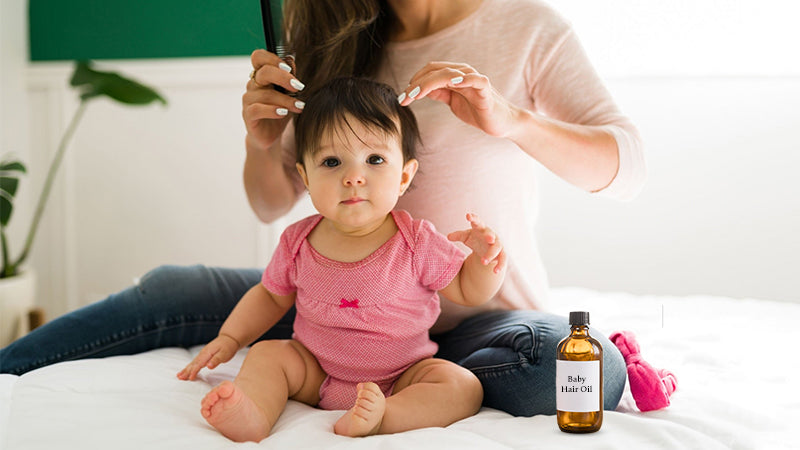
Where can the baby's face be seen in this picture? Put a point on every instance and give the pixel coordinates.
(356, 176)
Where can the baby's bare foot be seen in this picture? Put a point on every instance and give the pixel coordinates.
(365, 417)
(228, 409)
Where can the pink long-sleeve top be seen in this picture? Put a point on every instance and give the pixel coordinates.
(534, 59)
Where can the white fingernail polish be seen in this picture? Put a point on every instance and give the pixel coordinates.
(414, 92)
(297, 84)
(284, 66)
(456, 80)
(299, 105)
(281, 111)
(401, 97)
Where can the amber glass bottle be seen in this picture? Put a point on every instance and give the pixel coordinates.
(579, 378)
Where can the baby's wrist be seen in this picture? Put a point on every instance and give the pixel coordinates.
(236, 341)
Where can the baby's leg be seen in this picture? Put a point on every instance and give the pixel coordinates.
(273, 372)
(431, 393)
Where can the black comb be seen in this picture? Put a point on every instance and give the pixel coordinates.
(272, 18)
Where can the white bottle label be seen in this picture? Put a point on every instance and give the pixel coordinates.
(578, 386)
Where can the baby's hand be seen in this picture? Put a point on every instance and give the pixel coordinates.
(216, 352)
(483, 241)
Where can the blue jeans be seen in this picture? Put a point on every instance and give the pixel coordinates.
(513, 353)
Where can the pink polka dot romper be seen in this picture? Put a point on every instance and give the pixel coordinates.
(366, 320)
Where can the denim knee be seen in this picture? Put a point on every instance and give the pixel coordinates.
(513, 353)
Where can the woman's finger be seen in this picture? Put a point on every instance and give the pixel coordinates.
(258, 111)
(261, 57)
(442, 79)
(439, 66)
(279, 74)
(255, 101)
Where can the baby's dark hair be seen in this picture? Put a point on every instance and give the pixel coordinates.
(371, 103)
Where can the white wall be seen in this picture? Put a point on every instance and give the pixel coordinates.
(720, 212)
(687, 37)
(13, 97)
(148, 186)
(713, 87)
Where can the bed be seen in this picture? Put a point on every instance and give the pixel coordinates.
(736, 361)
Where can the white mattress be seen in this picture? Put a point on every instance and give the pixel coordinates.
(736, 361)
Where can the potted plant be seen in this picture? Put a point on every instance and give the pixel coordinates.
(14, 282)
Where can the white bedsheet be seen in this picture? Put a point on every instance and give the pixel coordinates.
(736, 361)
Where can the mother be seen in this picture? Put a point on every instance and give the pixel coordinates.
(497, 87)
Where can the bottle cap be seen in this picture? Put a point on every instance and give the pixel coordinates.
(579, 318)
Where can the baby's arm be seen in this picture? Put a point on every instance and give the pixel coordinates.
(257, 311)
(483, 270)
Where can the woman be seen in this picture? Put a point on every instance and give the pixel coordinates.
(497, 87)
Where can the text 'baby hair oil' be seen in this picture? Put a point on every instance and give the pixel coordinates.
(579, 378)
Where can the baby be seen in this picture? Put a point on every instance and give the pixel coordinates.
(364, 279)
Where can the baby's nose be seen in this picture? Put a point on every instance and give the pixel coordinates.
(354, 178)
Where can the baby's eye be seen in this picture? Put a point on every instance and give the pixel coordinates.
(375, 159)
(330, 162)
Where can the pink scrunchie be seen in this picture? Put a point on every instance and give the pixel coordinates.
(650, 387)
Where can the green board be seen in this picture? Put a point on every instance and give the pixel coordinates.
(115, 29)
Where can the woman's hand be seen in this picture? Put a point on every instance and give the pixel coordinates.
(469, 94)
(483, 242)
(264, 109)
(216, 352)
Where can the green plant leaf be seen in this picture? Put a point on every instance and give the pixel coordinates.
(9, 181)
(94, 83)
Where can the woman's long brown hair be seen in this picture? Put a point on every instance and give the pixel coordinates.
(334, 38)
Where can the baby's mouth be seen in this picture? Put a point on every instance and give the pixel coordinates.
(353, 200)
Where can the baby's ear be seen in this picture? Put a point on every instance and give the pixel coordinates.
(409, 170)
(302, 171)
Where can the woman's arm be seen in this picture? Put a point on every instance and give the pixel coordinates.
(265, 111)
(270, 190)
(576, 131)
(585, 156)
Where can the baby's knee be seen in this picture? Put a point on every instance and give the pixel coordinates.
(465, 384)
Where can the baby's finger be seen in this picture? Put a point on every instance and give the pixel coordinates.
(501, 262)
(188, 372)
(200, 361)
(475, 221)
(216, 360)
(459, 236)
(492, 253)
